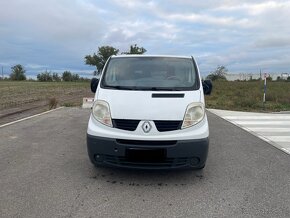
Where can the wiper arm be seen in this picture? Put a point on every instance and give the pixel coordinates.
(121, 87)
(165, 89)
(144, 88)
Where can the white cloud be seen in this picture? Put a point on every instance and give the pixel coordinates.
(208, 19)
(58, 34)
(253, 8)
(35, 66)
(273, 42)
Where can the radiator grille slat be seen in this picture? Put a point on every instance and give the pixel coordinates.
(167, 125)
(125, 124)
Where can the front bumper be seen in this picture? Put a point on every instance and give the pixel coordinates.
(147, 154)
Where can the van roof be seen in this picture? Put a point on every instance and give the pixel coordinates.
(138, 55)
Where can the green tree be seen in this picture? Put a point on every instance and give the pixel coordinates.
(75, 77)
(18, 72)
(44, 77)
(101, 57)
(56, 77)
(67, 76)
(134, 49)
(218, 74)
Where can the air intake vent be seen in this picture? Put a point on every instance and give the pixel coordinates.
(167, 125)
(143, 142)
(165, 163)
(167, 95)
(129, 125)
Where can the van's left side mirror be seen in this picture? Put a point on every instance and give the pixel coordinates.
(94, 84)
(207, 87)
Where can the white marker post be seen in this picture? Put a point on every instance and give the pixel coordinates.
(265, 88)
(88, 102)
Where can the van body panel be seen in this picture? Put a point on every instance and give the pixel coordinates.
(146, 103)
(128, 104)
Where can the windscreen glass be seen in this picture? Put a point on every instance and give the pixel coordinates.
(150, 73)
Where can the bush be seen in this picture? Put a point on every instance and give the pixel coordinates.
(67, 76)
(52, 103)
(214, 77)
(56, 77)
(44, 77)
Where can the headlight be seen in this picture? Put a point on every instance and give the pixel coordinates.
(193, 115)
(101, 112)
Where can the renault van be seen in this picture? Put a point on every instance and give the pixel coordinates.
(149, 113)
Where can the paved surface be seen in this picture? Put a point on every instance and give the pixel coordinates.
(45, 172)
(272, 128)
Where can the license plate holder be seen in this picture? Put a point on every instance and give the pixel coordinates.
(145, 155)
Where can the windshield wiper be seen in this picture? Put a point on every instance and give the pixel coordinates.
(121, 87)
(145, 88)
(166, 89)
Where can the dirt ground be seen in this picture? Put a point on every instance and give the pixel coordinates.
(22, 99)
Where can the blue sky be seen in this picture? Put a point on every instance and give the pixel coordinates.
(55, 35)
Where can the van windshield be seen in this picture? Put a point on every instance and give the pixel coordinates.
(150, 73)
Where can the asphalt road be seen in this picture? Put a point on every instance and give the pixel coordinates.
(273, 128)
(45, 172)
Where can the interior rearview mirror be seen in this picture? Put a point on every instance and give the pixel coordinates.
(207, 87)
(94, 84)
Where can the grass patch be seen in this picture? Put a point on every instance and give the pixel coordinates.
(228, 95)
(248, 96)
(72, 104)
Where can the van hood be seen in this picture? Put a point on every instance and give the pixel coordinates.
(146, 105)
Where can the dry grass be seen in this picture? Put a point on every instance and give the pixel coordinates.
(14, 93)
(241, 96)
(52, 103)
(248, 96)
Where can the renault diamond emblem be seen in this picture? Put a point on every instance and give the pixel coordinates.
(146, 127)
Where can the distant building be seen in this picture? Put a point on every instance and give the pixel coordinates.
(255, 76)
(285, 75)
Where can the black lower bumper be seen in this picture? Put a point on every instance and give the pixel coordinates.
(147, 154)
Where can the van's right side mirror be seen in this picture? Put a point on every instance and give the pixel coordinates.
(207, 87)
(94, 84)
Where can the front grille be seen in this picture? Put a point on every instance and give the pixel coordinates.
(167, 125)
(161, 125)
(129, 125)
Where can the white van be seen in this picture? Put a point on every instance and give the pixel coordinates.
(149, 113)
